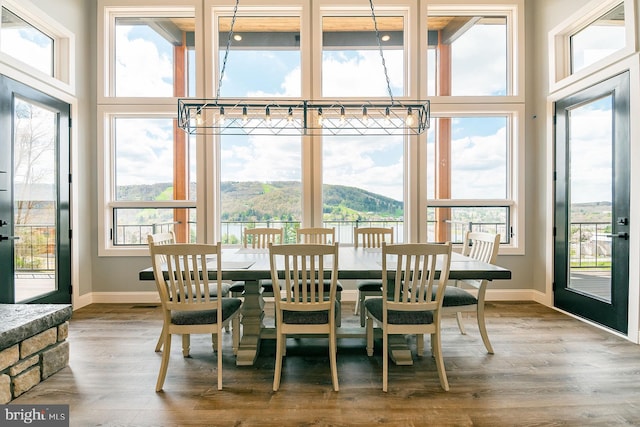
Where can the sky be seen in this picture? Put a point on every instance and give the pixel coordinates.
(144, 68)
(371, 163)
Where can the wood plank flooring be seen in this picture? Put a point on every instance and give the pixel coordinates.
(548, 370)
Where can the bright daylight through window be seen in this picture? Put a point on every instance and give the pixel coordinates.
(153, 168)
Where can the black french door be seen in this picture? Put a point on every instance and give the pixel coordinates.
(591, 258)
(35, 249)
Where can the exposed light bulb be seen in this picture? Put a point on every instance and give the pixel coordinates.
(267, 115)
(290, 115)
(221, 114)
(245, 118)
(320, 118)
(199, 118)
(387, 115)
(410, 117)
(365, 115)
(342, 116)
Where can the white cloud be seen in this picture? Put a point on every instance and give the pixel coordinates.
(141, 70)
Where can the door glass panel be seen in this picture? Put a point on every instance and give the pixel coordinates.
(590, 197)
(598, 40)
(35, 190)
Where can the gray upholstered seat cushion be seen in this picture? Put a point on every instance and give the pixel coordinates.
(327, 286)
(374, 306)
(206, 317)
(369, 285)
(454, 297)
(307, 317)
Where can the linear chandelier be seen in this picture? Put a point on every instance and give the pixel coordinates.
(252, 116)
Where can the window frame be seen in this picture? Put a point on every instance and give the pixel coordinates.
(511, 105)
(559, 41)
(515, 198)
(63, 77)
(415, 87)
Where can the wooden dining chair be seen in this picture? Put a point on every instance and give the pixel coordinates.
(187, 304)
(304, 304)
(483, 247)
(323, 236)
(369, 237)
(409, 305)
(318, 235)
(258, 238)
(168, 238)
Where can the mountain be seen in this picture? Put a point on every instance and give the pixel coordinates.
(253, 200)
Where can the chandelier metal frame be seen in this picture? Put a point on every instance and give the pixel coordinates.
(290, 117)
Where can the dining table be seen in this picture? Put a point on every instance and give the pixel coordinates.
(252, 265)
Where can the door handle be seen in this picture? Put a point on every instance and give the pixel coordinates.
(9, 237)
(621, 235)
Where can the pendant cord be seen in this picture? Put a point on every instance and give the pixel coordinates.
(384, 64)
(226, 52)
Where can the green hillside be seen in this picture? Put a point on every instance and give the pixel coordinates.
(257, 201)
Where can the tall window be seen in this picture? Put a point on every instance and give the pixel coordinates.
(474, 145)
(363, 178)
(151, 183)
(301, 50)
(260, 176)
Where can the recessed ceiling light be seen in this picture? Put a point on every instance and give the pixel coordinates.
(237, 37)
(385, 38)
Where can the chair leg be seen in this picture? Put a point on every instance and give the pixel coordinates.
(165, 362)
(186, 345)
(160, 340)
(339, 309)
(369, 336)
(385, 360)
(280, 342)
(333, 361)
(437, 353)
(361, 297)
(219, 341)
(235, 331)
(420, 344)
(483, 329)
(460, 323)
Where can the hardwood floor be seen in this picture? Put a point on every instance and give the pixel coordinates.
(548, 369)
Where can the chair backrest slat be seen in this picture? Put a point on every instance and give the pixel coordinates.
(182, 275)
(318, 235)
(305, 269)
(411, 272)
(481, 246)
(372, 237)
(259, 238)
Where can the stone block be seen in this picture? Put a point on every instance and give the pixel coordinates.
(8, 357)
(63, 331)
(26, 381)
(38, 342)
(23, 365)
(54, 359)
(21, 321)
(5, 389)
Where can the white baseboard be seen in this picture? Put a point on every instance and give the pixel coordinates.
(350, 295)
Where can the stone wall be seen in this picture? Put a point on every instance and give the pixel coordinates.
(33, 346)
